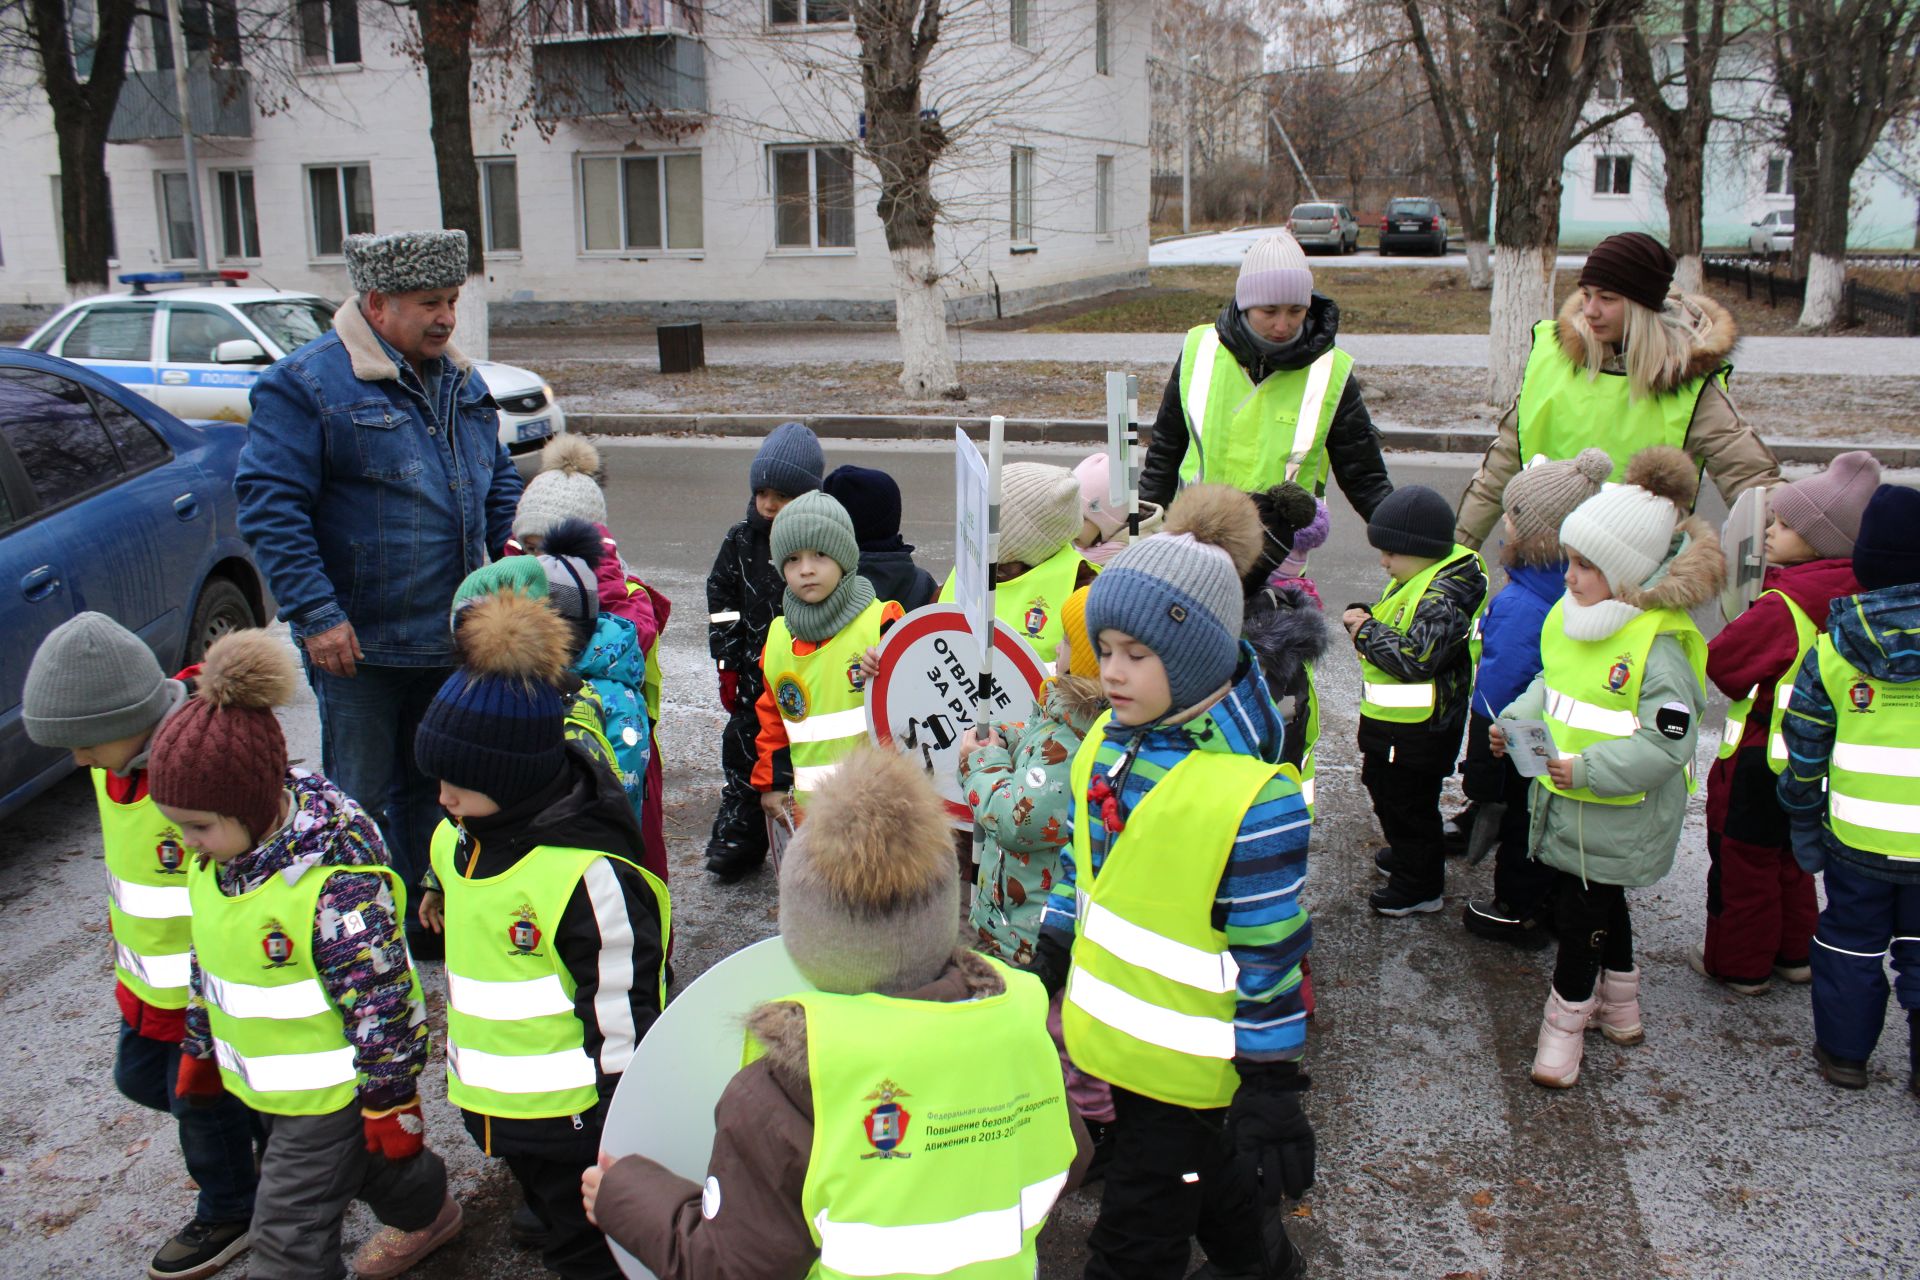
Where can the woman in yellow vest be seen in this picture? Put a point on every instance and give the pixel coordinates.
(1039, 565)
(1621, 689)
(1628, 364)
(907, 1117)
(1263, 395)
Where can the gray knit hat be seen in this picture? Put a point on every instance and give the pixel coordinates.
(1546, 493)
(815, 521)
(92, 682)
(790, 461)
(406, 261)
(567, 488)
(1178, 592)
(1039, 511)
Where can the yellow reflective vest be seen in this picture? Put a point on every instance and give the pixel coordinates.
(1873, 776)
(1254, 437)
(1804, 634)
(1562, 410)
(148, 904)
(1386, 697)
(1032, 603)
(821, 696)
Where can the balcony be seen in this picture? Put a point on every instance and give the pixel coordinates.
(148, 110)
(597, 58)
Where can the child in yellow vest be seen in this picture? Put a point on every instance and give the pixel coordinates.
(1621, 689)
(820, 654)
(96, 690)
(1039, 565)
(305, 1004)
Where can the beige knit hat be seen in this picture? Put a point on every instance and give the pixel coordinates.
(1274, 274)
(1039, 511)
(1546, 493)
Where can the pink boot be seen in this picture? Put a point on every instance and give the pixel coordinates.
(1619, 1016)
(1556, 1057)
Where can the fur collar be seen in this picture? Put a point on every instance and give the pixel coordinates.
(1074, 701)
(1713, 339)
(371, 363)
(1691, 578)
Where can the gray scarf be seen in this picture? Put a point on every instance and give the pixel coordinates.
(817, 622)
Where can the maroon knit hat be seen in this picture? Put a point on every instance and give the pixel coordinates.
(223, 752)
(1632, 264)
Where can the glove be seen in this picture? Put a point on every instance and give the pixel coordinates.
(1809, 848)
(1051, 958)
(199, 1081)
(729, 690)
(1271, 1132)
(398, 1133)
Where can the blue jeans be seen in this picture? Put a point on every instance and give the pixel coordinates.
(1865, 922)
(367, 723)
(217, 1141)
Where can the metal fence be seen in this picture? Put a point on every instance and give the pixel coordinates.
(1861, 306)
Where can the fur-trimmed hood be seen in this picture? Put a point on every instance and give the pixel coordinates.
(1287, 630)
(1712, 329)
(1074, 701)
(1691, 578)
(371, 363)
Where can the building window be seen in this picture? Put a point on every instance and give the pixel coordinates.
(1779, 176)
(1613, 176)
(83, 25)
(1103, 195)
(641, 202)
(1020, 186)
(239, 225)
(500, 204)
(60, 223)
(1020, 22)
(208, 25)
(176, 217)
(329, 32)
(342, 203)
(810, 13)
(812, 197)
(1102, 37)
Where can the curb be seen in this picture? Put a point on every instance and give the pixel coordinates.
(853, 426)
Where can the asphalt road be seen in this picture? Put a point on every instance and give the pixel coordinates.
(1712, 1150)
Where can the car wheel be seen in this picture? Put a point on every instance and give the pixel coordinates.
(223, 608)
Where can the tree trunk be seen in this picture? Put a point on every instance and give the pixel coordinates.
(446, 50)
(920, 301)
(1479, 262)
(1685, 170)
(82, 112)
(1827, 246)
(1528, 237)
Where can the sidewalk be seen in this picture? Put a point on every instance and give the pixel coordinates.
(1226, 248)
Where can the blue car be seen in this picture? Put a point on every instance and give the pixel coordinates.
(108, 503)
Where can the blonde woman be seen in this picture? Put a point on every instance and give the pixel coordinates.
(1630, 363)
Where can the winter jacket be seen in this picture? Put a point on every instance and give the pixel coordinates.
(364, 500)
(369, 972)
(608, 937)
(1353, 442)
(1287, 631)
(1734, 454)
(1873, 631)
(890, 568)
(614, 665)
(744, 593)
(762, 1145)
(1510, 634)
(1433, 647)
(1257, 903)
(1022, 802)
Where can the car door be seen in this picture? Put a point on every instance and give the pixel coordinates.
(192, 383)
(115, 339)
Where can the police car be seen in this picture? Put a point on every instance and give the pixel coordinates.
(196, 350)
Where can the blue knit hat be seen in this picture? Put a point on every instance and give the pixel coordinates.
(872, 500)
(1884, 554)
(790, 461)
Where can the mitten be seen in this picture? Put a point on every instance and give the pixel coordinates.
(729, 690)
(398, 1133)
(1271, 1130)
(1051, 959)
(199, 1081)
(1809, 848)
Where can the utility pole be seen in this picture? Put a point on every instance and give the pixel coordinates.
(177, 37)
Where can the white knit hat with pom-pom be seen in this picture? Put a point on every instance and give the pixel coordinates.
(567, 488)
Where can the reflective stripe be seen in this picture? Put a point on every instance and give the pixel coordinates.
(507, 1001)
(1777, 747)
(1197, 393)
(1588, 718)
(1306, 790)
(809, 777)
(521, 1073)
(729, 615)
(148, 901)
(1397, 695)
(1209, 971)
(1880, 815)
(831, 727)
(1186, 1033)
(156, 971)
(1886, 762)
(289, 1072)
(1306, 428)
(244, 1000)
(935, 1248)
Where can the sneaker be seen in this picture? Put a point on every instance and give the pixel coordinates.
(1498, 922)
(1798, 974)
(200, 1249)
(526, 1229)
(1383, 860)
(1697, 961)
(391, 1251)
(1390, 901)
(731, 863)
(1845, 1072)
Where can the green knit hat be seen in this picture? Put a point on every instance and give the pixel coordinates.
(815, 522)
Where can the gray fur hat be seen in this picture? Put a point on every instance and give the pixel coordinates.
(406, 261)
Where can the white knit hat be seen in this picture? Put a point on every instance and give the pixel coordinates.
(1625, 531)
(1274, 274)
(567, 488)
(1039, 511)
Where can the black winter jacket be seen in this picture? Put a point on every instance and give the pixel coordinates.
(1353, 443)
(890, 568)
(744, 581)
(1287, 631)
(1433, 647)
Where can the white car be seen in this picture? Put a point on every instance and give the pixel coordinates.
(1772, 235)
(197, 352)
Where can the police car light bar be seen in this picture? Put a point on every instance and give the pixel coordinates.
(141, 279)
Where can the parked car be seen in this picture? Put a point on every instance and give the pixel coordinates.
(1772, 235)
(197, 351)
(109, 503)
(1414, 224)
(1321, 225)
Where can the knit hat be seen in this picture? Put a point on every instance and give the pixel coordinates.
(497, 725)
(567, 488)
(1274, 274)
(1546, 493)
(1412, 521)
(1308, 539)
(789, 461)
(868, 896)
(1627, 530)
(564, 574)
(1632, 264)
(1083, 657)
(406, 261)
(1178, 592)
(1285, 509)
(1096, 502)
(92, 682)
(872, 500)
(1887, 551)
(223, 751)
(815, 521)
(1826, 509)
(1039, 511)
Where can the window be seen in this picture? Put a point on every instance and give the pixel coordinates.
(291, 323)
(176, 217)
(500, 204)
(342, 203)
(239, 226)
(139, 448)
(1020, 22)
(1102, 37)
(60, 221)
(1020, 185)
(112, 332)
(208, 27)
(329, 31)
(49, 421)
(1103, 195)
(1606, 85)
(1779, 176)
(194, 332)
(812, 197)
(812, 13)
(641, 202)
(1613, 176)
(83, 20)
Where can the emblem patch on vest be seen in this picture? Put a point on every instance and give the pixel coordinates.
(277, 945)
(886, 1124)
(790, 696)
(856, 677)
(1861, 696)
(171, 855)
(1620, 672)
(1035, 619)
(523, 934)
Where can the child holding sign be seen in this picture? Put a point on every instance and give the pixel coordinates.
(1039, 565)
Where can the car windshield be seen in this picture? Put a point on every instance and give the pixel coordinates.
(1407, 206)
(1313, 211)
(291, 322)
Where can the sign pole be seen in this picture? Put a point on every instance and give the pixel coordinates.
(996, 450)
(1117, 421)
(1133, 439)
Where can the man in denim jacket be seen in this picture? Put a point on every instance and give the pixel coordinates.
(371, 483)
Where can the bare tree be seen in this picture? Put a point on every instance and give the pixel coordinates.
(1464, 104)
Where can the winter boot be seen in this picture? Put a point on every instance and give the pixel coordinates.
(1697, 961)
(1847, 1073)
(1495, 920)
(390, 1251)
(1383, 860)
(1618, 1018)
(1556, 1056)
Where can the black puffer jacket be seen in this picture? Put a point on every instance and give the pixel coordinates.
(890, 568)
(1433, 647)
(743, 582)
(1287, 631)
(1353, 443)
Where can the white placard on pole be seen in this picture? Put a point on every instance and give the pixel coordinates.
(983, 629)
(1118, 424)
(972, 527)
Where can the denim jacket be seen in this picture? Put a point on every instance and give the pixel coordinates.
(362, 505)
